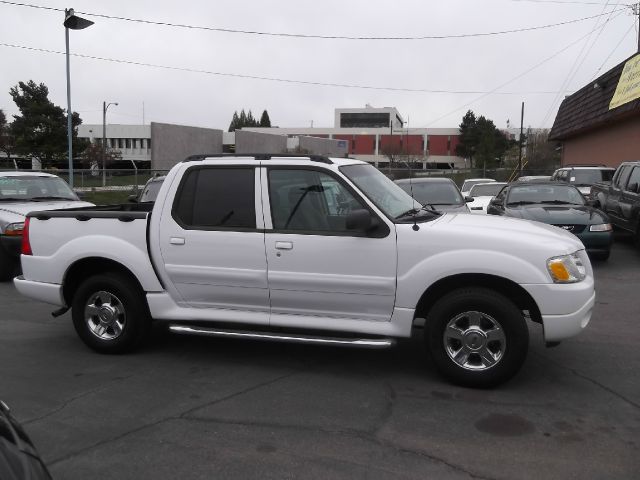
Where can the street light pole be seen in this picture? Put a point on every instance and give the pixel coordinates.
(73, 22)
(105, 106)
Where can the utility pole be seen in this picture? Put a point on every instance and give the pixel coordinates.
(520, 140)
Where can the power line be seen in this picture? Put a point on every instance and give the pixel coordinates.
(512, 79)
(614, 49)
(311, 36)
(273, 79)
(576, 66)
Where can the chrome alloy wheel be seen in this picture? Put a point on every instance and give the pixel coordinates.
(474, 341)
(105, 315)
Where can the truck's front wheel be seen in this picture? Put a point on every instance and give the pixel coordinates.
(477, 337)
(109, 313)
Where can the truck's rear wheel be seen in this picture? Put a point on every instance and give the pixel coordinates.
(477, 337)
(109, 313)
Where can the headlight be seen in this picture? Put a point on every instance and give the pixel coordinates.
(602, 227)
(566, 269)
(14, 229)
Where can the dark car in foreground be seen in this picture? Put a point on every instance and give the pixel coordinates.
(440, 193)
(19, 459)
(560, 205)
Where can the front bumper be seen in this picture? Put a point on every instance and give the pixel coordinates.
(596, 242)
(559, 327)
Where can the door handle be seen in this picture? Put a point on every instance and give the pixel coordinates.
(176, 241)
(284, 245)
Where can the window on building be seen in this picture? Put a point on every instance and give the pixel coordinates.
(127, 143)
(364, 120)
(120, 144)
(217, 198)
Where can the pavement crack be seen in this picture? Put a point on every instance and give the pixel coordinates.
(360, 434)
(591, 380)
(69, 401)
(179, 416)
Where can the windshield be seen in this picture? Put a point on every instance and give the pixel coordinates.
(466, 186)
(434, 193)
(486, 190)
(33, 188)
(589, 177)
(385, 194)
(545, 194)
(150, 192)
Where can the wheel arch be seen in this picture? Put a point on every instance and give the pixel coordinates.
(87, 267)
(504, 286)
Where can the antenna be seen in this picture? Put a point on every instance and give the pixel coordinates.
(415, 223)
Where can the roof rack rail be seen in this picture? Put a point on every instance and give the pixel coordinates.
(258, 156)
(585, 165)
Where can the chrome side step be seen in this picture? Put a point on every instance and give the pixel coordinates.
(286, 337)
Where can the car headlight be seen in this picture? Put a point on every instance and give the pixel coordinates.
(601, 227)
(14, 229)
(566, 269)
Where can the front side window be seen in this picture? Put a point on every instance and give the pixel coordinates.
(211, 198)
(309, 200)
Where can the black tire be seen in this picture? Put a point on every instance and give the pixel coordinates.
(9, 266)
(501, 332)
(121, 320)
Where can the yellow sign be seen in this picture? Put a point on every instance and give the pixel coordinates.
(629, 84)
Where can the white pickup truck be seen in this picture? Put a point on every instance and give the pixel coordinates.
(309, 249)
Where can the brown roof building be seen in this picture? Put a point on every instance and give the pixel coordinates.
(600, 123)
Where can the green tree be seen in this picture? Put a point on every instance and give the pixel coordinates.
(7, 144)
(247, 120)
(265, 121)
(41, 129)
(468, 137)
(235, 121)
(481, 141)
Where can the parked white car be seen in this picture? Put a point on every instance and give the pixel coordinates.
(482, 193)
(470, 182)
(21, 193)
(312, 250)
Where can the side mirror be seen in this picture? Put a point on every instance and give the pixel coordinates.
(469, 199)
(633, 188)
(132, 198)
(81, 195)
(360, 220)
(591, 202)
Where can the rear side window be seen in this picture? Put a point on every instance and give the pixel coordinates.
(216, 198)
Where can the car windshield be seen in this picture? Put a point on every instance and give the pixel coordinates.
(545, 194)
(385, 194)
(589, 177)
(33, 188)
(434, 193)
(466, 186)
(150, 192)
(486, 190)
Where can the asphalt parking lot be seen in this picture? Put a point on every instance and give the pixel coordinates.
(197, 408)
